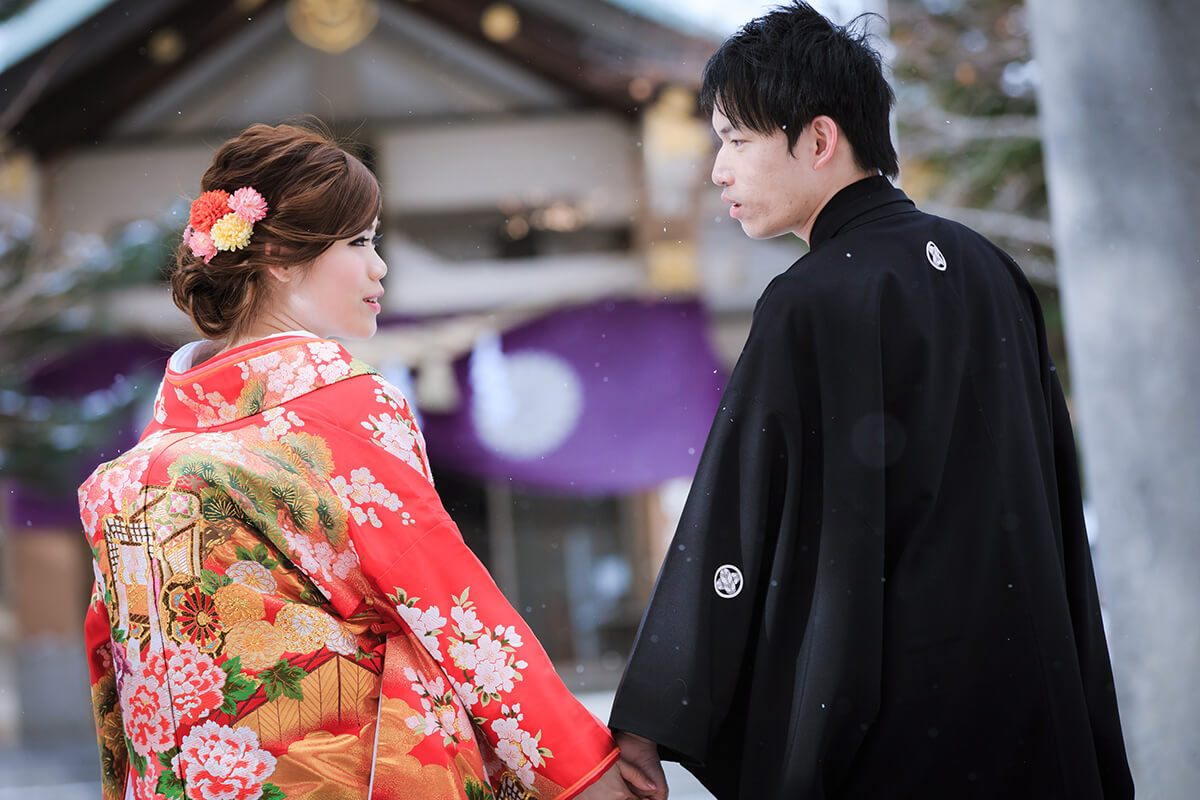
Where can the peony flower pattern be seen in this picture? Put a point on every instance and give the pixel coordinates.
(216, 762)
(177, 684)
(235, 625)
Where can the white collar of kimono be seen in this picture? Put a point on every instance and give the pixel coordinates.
(186, 357)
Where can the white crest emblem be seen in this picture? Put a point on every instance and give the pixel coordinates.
(935, 257)
(728, 581)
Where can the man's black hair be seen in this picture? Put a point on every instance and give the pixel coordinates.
(784, 69)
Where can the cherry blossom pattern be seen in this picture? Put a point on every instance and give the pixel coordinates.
(520, 750)
(363, 489)
(210, 408)
(443, 713)
(217, 762)
(226, 446)
(160, 407)
(397, 433)
(113, 487)
(330, 364)
(279, 422)
(426, 625)
(319, 560)
(284, 377)
(487, 658)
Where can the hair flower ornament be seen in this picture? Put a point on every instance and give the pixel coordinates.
(221, 221)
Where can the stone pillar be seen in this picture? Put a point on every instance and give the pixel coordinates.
(48, 584)
(1120, 110)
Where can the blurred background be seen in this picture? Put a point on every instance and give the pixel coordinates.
(560, 265)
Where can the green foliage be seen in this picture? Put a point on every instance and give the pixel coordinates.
(283, 679)
(272, 792)
(477, 791)
(53, 301)
(169, 784)
(238, 688)
(136, 760)
(260, 553)
(211, 581)
(166, 758)
(10, 8)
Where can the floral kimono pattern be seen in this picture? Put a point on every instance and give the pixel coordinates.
(283, 609)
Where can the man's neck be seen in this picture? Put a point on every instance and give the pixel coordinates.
(848, 178)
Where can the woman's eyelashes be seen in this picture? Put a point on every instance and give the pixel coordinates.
(363, 241)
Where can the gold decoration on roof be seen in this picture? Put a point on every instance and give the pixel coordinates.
(500, 22)
(332, 26)
(165, 46)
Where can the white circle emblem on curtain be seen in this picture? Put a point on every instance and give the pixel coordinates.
(543, 408)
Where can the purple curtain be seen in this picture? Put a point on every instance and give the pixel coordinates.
(607, 398)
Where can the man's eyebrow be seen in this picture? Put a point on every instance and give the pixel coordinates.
(726, 129)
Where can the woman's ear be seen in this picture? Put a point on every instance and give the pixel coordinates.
(282, 274)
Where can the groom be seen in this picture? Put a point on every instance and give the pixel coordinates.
(881, 585)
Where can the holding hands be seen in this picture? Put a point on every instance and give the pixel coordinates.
(638, 775)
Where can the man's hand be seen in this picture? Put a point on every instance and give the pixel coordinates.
(613, 785)
(642, 754)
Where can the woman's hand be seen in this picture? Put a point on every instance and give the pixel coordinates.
(622, 781)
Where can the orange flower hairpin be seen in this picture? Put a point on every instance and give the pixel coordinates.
(222, 221)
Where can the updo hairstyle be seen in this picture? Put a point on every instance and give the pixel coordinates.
(316, 193)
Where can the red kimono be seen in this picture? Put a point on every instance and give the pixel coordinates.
(284, 609)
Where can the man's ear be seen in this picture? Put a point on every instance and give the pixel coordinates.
(826, 135)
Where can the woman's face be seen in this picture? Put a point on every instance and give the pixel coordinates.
(339, 294)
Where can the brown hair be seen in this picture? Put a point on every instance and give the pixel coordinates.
(316, 193)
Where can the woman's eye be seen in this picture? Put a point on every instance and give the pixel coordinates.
(376, 239)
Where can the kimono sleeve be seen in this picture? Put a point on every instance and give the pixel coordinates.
(777, 558)
(415, 555)
(692, 660)
(1094, 665)
(106, 705)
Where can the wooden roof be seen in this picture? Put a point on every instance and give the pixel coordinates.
(76, 88)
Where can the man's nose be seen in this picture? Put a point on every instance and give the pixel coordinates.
(720, 173)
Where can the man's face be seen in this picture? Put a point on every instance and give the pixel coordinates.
(772, 191)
